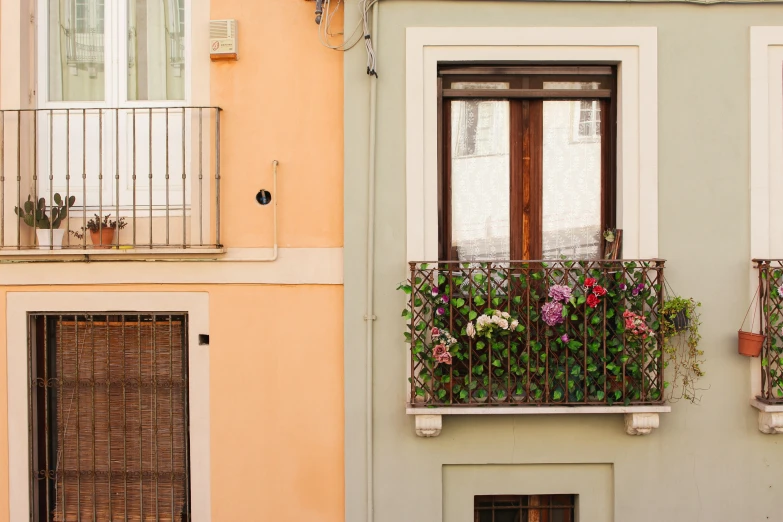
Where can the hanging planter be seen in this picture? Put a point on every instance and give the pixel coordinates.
(750, 343)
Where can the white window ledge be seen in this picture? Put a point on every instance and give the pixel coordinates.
(770, 417)
(118, 253)
(639, 420)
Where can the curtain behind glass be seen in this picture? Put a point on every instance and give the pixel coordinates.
(156, 50)
(76, 57)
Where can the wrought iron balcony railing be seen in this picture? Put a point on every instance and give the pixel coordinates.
(535, 333)
(156, 170)
(770, 272)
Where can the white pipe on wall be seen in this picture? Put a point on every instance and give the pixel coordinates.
(369, 315)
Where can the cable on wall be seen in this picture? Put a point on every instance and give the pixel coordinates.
(360, 32)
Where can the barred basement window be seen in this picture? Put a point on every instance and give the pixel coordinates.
(109, 416)
(524, 508)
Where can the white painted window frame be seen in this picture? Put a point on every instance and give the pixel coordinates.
(632, 49)
(19, 304)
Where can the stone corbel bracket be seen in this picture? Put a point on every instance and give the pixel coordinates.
(770, 417)
(639, 420)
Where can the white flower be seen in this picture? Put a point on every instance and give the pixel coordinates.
(505, 315)
(470, 330)
(503, 324)
(514, 324)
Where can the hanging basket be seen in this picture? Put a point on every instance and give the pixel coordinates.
(749, 344)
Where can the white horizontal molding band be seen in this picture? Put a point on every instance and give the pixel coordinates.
(294, 266)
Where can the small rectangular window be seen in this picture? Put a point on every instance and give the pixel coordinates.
(524, 508)
(109, 417)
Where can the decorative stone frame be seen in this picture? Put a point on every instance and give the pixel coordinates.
(634, 51)
(195, 304)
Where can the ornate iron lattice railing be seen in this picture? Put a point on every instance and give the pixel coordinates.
(109, 417)
(567, 338)
(770, 272)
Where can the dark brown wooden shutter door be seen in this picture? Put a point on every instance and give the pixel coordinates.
(121, 425)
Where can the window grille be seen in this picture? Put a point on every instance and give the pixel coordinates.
(524, 508)
(109, 416)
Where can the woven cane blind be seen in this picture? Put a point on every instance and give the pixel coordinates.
(118, 439)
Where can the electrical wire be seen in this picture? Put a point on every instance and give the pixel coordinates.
(360, 32)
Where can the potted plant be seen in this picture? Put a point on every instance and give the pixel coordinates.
(46, 226)
(677, 311)
(679, 323)
(101, 230)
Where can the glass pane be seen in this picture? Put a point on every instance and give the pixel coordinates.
(156, 49)
(480, 179)
(76, 34)
(572, 179)
(479, 85)
(572, 85)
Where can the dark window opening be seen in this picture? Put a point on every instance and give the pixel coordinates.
(524, 508)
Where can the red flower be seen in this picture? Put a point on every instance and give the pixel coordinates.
(589, 282)
(599, 290)
(592, 301)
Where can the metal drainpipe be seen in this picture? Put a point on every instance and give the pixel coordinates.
(369, 316)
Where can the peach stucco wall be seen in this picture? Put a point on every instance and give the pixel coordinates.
(283, 100)
(276, 407)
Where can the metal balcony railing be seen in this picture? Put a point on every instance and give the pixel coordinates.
(535, 333)
(155, 170)
(770, 272)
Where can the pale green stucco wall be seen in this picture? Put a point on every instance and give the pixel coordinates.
(706, 462)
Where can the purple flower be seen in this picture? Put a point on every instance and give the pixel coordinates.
(560, 293)
(552, 313)
(564, 338)
(440, 311)
(445, 298)
(638, 288)
(434, 292)
(622, 286)
(635, 291)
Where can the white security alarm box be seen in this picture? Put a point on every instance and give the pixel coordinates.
(223, 39)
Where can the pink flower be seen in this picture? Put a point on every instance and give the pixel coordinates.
(560, 293)
(552, 313)
(439, 350)
(564, 338)
(444, 358)
(435, 332)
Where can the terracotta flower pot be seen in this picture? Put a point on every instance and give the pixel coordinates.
(750, 343)
(102, 238)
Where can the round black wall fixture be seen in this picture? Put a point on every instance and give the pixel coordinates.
(264, 197)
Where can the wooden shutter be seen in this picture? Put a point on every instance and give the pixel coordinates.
(119, 436)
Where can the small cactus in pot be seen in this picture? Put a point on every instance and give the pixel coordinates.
(34, 215)
(46, 225)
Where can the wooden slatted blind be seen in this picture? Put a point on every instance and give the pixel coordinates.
(109, 408)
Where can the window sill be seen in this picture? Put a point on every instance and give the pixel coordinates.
(770, 417)
(108, 254)
(639, 420)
